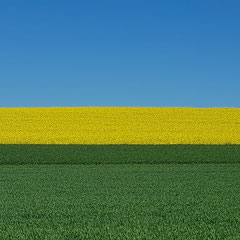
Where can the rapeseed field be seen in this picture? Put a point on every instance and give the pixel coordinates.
(119, 125)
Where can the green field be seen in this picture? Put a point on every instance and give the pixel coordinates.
(119, 192)
(120, 201)
(118, 154)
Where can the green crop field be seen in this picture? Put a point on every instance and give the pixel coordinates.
(119, 192)
(118, 154)
(155, 201)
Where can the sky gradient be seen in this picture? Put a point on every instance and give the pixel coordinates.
(120, 53)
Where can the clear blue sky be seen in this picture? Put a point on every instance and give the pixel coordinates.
(120, 53)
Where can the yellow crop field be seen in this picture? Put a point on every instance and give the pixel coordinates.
(119, 125)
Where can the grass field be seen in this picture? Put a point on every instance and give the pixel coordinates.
(120, 202)
(118, 154)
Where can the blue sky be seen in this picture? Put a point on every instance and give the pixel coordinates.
(120, 53)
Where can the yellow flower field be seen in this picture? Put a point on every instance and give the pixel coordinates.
(119, 125)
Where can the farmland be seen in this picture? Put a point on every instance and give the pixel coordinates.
(119, 173)
(109, 125)
(120, 202)
(117, 154)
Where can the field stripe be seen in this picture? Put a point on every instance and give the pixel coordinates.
(118, 154)
(108, 125)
